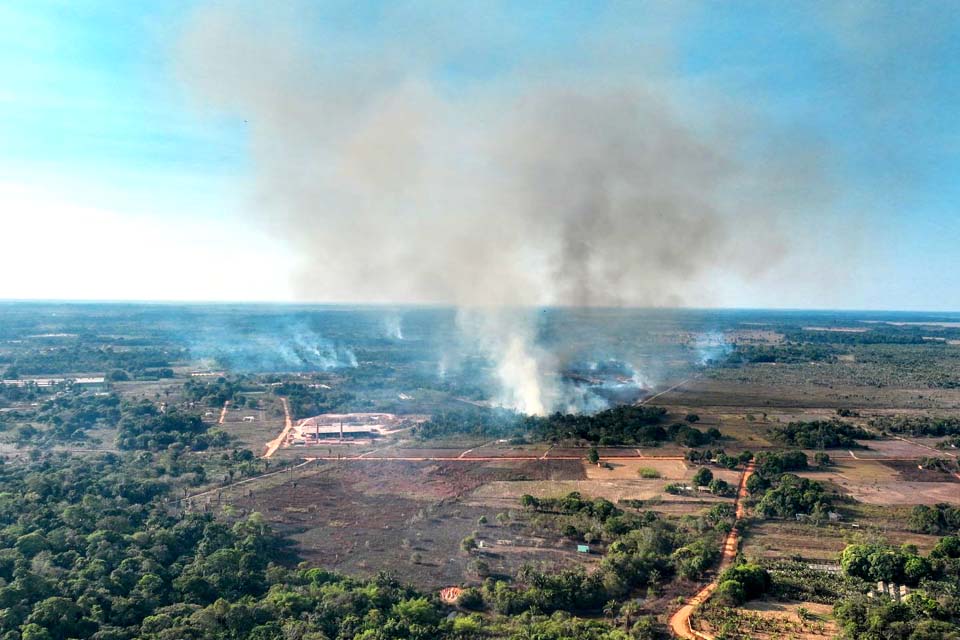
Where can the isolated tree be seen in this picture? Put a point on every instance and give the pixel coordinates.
(593, 455)
(702, 477)
(468, 544)
(719, 487)
(480, 568)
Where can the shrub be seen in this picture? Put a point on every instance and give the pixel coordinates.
(754, 579)
(730, 593)
(471, 598)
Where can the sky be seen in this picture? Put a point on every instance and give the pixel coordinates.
(121, 180)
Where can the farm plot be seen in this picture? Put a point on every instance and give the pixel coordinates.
(780, 539)
(876, 483)
(630, 470)
(766, 620)
(896, 448)
(605, 483)
(252, 428)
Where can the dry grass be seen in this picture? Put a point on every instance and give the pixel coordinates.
(876, 483)
(503, 493)
(785, 539)
(630, 470)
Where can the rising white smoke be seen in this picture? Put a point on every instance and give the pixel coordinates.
(525, 193)
(393, 326)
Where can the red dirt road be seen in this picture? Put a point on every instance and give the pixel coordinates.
(680, 621)
(277, 442)
(361, 458)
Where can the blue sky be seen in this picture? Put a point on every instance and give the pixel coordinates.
(110, 164)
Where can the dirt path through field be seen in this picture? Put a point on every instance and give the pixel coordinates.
(275, 444)
(464, 454)
(665, 391)
(208, 492)
(680, 621)
(223, 412)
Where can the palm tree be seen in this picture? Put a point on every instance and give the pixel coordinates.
(629, 610)
(610, 609)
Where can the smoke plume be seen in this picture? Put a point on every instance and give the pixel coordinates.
(394, 183)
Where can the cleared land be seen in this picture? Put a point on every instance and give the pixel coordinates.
(781, 539)
(408, 518)
(879, 483)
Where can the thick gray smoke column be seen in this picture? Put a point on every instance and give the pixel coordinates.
(393, 188)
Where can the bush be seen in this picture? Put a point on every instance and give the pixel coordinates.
(472, 599)
(730, 594)
(754, 579)
(649, 473)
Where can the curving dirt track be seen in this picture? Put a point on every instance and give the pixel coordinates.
(680, 621)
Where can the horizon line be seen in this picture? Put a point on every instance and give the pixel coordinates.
(448, 305)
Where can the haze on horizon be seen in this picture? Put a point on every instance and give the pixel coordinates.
(599, 153)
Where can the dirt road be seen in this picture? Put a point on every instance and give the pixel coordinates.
(215, 490)
(454, 458)
(680, 621)
(275, 444)
(370, 457)
(223, 412)
(665, 391)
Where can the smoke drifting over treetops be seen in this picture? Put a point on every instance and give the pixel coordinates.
(394, 182)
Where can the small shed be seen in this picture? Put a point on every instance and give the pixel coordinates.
(583, 548)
